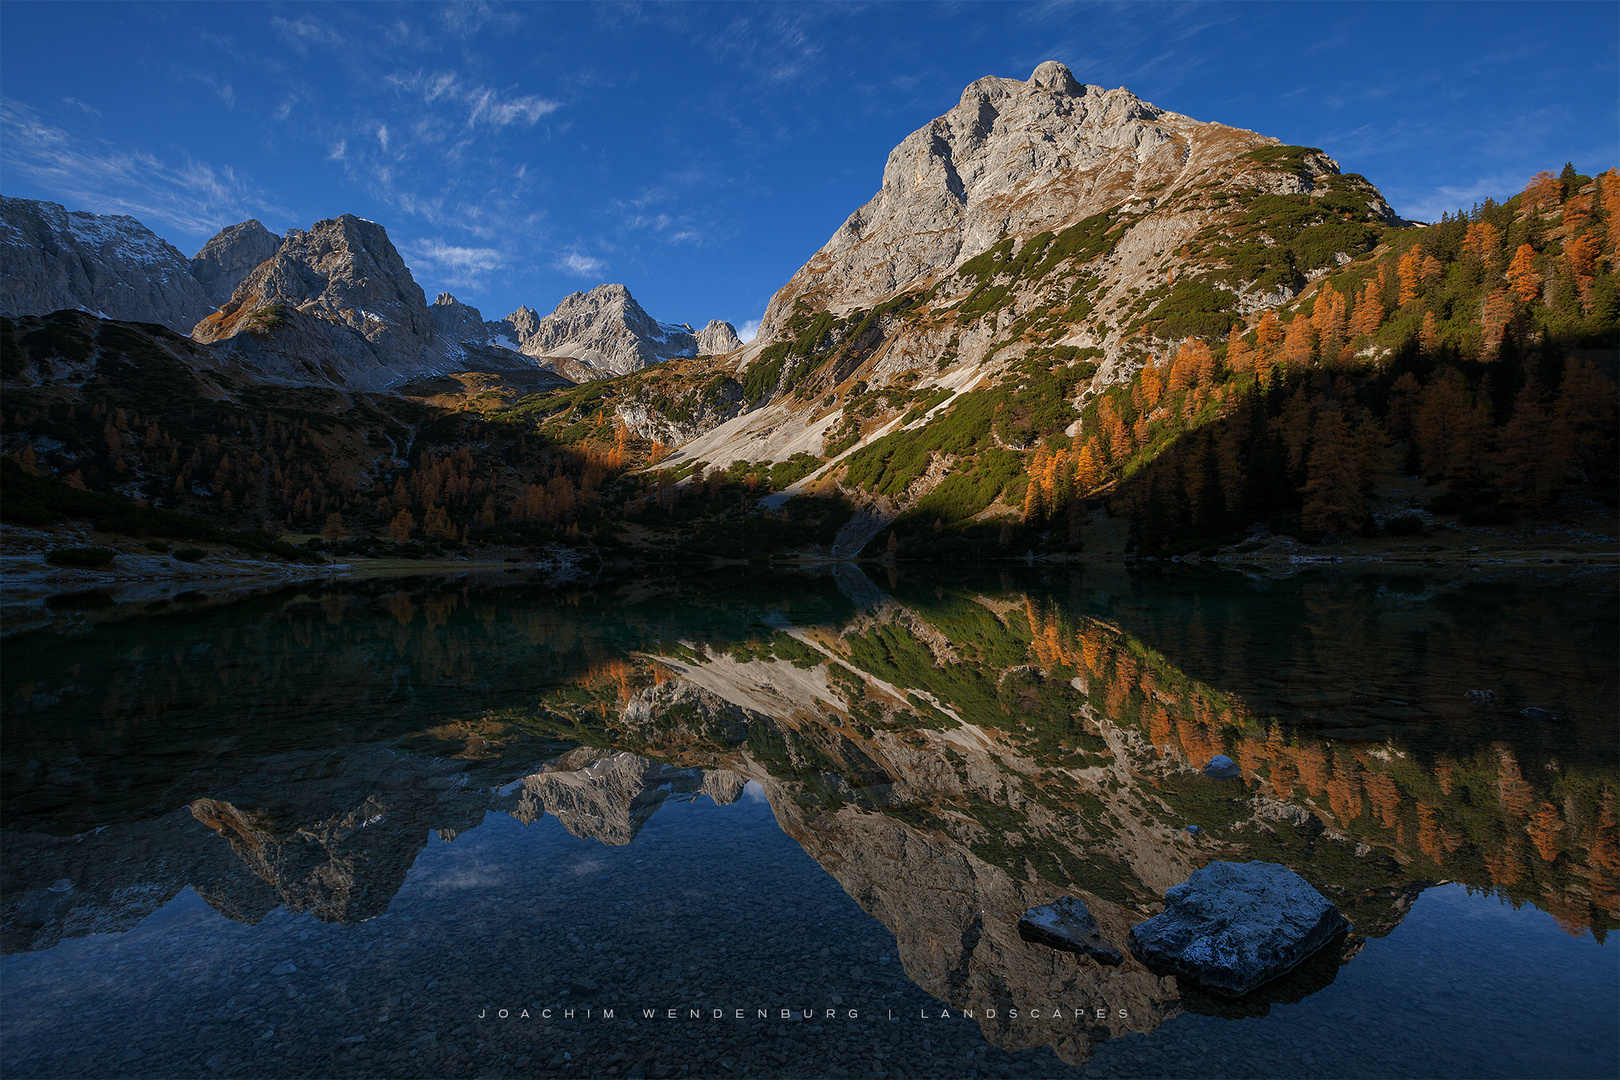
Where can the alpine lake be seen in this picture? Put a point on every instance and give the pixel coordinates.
(773, 823)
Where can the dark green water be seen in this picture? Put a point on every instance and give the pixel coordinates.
(337, 829)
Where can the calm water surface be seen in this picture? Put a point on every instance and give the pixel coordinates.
(784, 825)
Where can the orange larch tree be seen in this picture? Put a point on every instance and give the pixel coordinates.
(1411, 275)
(1483, 244)
(1522, 273)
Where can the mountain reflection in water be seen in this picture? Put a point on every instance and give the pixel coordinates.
(952, 750)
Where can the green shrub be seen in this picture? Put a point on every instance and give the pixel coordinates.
(90, 558)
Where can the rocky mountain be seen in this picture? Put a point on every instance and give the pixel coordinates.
(1015, 159)
(336, 301)
(1037, 218)
(608, 333)
(112, 265)
(230, 256)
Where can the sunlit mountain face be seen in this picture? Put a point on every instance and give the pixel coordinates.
(383, 809)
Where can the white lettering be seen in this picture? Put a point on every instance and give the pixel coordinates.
(525, 1015)
(503, 1014)
(568, 1014)
(484, 1013)
(545, 1013)
(648, 1014)
(607, 1014)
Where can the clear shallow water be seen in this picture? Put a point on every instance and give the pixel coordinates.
(273, 889)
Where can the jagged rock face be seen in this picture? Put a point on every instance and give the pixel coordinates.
(230, 256)
(605, 329)
(51, 259)
(717, 338)
(459, 322)
(334, 303)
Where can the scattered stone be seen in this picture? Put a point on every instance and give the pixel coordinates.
(1483, 697)
(286, 967)
(1066, 923)
(1222, 767)
(1233, 926)
(1540, 716)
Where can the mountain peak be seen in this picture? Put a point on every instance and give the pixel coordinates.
(231, 255)
(53, 258)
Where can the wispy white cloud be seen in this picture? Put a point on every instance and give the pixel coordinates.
(581, 265)
(452, 264)
(92, 173)
(305, 31)
(481, 106)
(748, 330)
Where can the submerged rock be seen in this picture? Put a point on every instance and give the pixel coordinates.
(1232, 926)
(1066, 923)
(1222, 767)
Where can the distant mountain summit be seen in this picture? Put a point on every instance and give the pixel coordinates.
(108, 264)
(233, 253)
(606, 331)
(334, 303)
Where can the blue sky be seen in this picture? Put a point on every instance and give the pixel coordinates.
(701, 153)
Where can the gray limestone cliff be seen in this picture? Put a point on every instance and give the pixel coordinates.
(108, 264)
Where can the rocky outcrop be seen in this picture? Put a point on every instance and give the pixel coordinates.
(334, 303)
(606, 331)
(107, 264)
(230, 256)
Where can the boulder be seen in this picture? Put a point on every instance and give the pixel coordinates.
(1066, 923)
(1232, 926)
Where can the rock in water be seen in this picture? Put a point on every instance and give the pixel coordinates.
(1232, 926)
(1067, 924)
(1222, 767)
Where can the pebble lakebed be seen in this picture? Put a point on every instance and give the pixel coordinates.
(709, 907)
